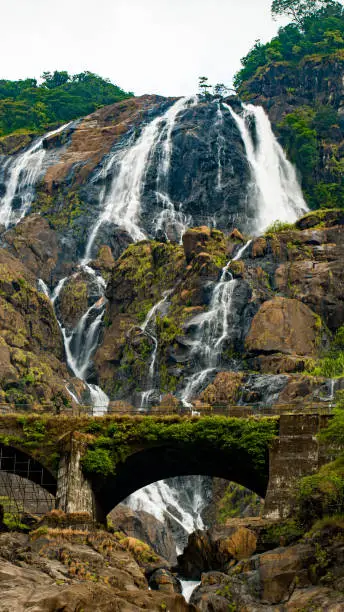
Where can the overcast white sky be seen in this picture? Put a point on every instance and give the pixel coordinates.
(147, 46)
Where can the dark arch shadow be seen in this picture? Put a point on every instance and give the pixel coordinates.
(14, 461)
(158, 463)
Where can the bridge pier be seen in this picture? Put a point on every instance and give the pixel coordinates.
(294, 454)
(74, 492)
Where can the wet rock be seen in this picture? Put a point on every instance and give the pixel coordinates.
(236, 236)
(163, 580)
(327, 218)
(194, 241)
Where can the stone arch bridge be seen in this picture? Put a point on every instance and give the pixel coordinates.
(92, 464)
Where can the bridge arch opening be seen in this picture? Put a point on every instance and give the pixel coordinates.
(158, 463)
(25, 484)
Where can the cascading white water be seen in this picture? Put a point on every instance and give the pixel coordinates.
(274, 191)
(220, 145)
(188, 587)
(82, 342)
(149, 328)
(21, 175)
(212, 330)
(170, 219)
(122, 204)
(163, 500)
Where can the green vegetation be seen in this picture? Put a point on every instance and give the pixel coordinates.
(122, 436)
(321, 33)
(279, 226)
(26, 106)
(302, 133)
(235, 500)
(11, 513)
(297, 10)
(282, 534)
(322, 494)
(331, 365)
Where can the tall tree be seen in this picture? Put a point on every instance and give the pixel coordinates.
(203, 85)
(298, 10)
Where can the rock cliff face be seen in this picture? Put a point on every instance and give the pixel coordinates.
(296, 92)
(207, 170)
(287, 300)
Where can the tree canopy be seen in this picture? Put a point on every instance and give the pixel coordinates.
(298, 10)
(321, 33)
(27, 106)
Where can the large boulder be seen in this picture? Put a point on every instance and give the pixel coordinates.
(143, 526)
(216, 549)
(285, 326)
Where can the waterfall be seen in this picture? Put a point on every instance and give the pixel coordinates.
(22, 172)
(149, 329)
(170, 219)
(220, 145)
(122, 204)
(177, 501)
(212, 330)
(80, 345)
(188, 587)
(274, 190)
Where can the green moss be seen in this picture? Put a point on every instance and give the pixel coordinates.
(235, 499)
(98, 461)
(121, 437)
(322, 494)
(282, 534)
(279, 226)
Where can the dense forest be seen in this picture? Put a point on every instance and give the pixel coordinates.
(26, 105)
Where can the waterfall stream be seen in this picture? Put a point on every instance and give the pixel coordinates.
(212, 331)
(274, 191)
(220, 145)
(122, 203)
(22, 172)
(149, 329)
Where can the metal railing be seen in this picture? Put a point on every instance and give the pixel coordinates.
(257, 410)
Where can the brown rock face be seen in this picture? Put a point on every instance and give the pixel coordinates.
(163, 580)
(70, 572)
(216, 549)
(284, 326)
(73, 300)
(224, 390)
(35, 244)
(194, 241)
(304, 576)
(95, 135)
(143, 526)
(31, 346)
